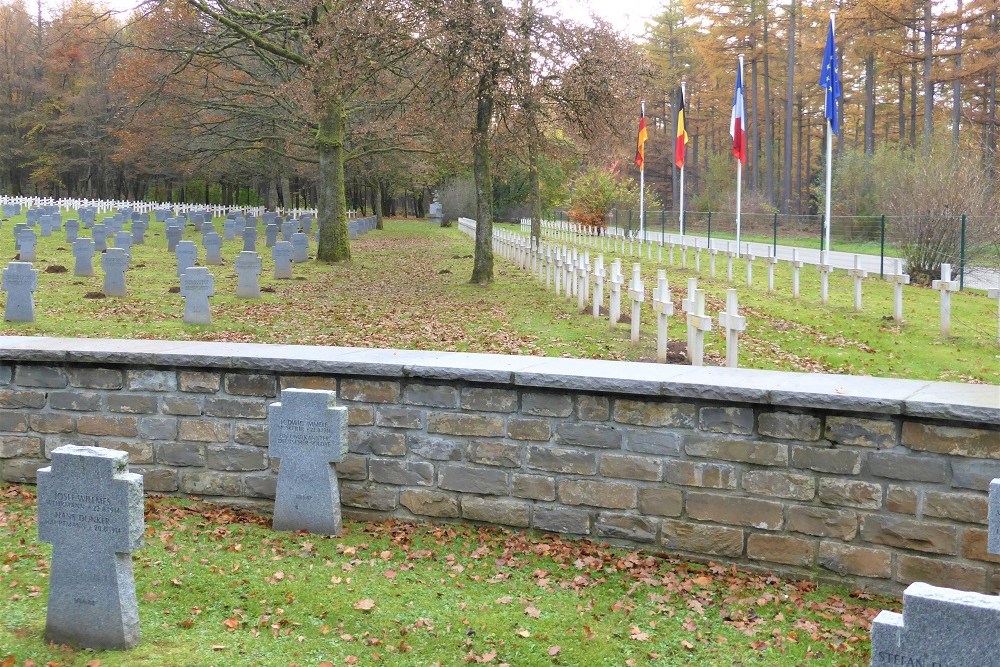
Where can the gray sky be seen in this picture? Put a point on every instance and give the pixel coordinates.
(625, 15)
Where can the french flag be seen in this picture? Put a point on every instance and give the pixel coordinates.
(738, 121)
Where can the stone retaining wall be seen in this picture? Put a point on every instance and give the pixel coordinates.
(882, 482)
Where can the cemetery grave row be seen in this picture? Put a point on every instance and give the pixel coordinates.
(570, 271)
(289, 241)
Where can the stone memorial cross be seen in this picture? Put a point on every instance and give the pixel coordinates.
(307, 432)
(91, 511)
(898, 279)
(114, 261)
(72, 230)
(19, 281)
(796, 265)
(213, 248)
(946, 286)
(663, 306)
(187, 255)
(197, 284)
(733, 323)
(598, 292)
(637, 295)
(248, 268)
(615, 305)
(858, 274)
(688, 305)
(83, 253)
(825, 269)
(700, 323)
(27, 242)
(281, 253)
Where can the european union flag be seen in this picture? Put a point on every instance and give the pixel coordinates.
(829, 78)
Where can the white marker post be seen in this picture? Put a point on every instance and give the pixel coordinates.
(688, 306)
(858, 274)
(796, 265)
(946, 286)
(733, 323)
(825, 269)
(615, 308)
(700, 324)
(898, 279)
(598, 286)
(637, 295)
(663, 306)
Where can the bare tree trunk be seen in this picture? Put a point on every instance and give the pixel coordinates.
(377, 204)
(956, 86)
(482, 269)
(869, 139)
(768, 120)
(786, 172)
(913, 91)
(902, 106)
(798, 154)
(754, 129)
(928, 82)
(991, 111)
(334, 243)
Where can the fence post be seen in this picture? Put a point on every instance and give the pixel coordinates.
(709, 230)
(881, 252)
(774, 242)
(961, 260)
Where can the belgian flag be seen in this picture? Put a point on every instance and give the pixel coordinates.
(682, 135)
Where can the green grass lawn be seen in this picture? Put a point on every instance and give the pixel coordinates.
(217, 587)
(407, 287)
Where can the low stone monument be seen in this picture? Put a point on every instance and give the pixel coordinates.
(114, 261)
(27, 241)
(271, 235)
(213, 248)
(83, 253)
(307, 432)
(288, 228)
(281, 253)
(139, 228)
(174, 234)
(300, 247)
(100, 235)
(123, 240)
(72, 230)
(90, 511)
(187, 254)
(250, 238)
(197, 284)
(229, 229)
(19, 281)
(248, 268)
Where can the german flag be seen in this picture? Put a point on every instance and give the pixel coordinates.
(682, 135)
(640, 143)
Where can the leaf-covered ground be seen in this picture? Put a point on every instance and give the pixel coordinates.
(217, 587)
(407, 287)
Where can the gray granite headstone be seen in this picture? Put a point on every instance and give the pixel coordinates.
(250, 238)
(83, 252)
(993, 541)
(281, 253)
(72, 230)
(939, 627)
(46, 223)
(197, 284)
(248, 268)
(123, 240)
(229, 229)
(307, 224)
(19, 228)
(288, 228)
(187, 255)
(271, 235)
(19, 281)
(100, 235)
(26, 245)
(213, 248)
(300, 247)
(114, 261)
(307, 431)
(139, 228)
(174, 233)
(91, 511)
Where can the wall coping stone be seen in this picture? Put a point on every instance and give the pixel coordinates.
(891, 396)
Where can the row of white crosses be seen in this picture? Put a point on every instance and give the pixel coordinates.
(617, 243)
(568, 272)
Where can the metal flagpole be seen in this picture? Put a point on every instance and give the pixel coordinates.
(642, 187)
(683, 96)
(739, 179)
(829, 159)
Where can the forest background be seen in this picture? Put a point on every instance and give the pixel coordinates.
(241, 103)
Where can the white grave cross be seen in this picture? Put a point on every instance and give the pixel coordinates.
(663, 306)
(733, 323)
(946, 286)
(637, 295)
(858, 274)
(898, 279)
(700, 324)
